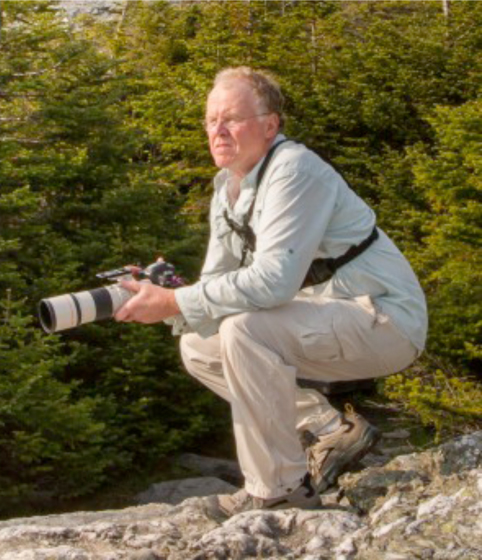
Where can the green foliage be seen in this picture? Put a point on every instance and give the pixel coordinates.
(50, 440)
(449, 403)
(449, 258)
(76, 198)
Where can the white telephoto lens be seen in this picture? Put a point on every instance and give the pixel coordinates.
(71, 310)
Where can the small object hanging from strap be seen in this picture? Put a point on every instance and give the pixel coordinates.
(245, 231)
(322, 270)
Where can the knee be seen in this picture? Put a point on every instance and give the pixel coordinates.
(194, 350)
(199, 353)
(262, 327)
(186, 348)
(233, 326)
(187, 343)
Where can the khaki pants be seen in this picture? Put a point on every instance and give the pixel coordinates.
(256, 358)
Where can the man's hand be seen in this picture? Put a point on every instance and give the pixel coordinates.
(150, 304)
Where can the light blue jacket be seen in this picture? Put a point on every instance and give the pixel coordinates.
(303, 210)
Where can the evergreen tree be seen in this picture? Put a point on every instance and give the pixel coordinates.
(50, 440)
(449, 257)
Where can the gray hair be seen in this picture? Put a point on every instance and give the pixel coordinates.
(264, 85)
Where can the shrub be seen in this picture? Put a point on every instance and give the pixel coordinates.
(438, 397)
(50, 441)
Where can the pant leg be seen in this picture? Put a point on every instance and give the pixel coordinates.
(202, 359)
(261, 354)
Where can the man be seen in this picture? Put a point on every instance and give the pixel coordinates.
(276, 209)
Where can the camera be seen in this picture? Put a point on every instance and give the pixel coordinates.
(71, 310)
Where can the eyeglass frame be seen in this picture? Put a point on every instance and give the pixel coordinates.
(231, 122)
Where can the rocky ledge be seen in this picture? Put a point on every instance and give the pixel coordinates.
(424, 505)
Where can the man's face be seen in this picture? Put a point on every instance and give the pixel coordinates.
(240, 130)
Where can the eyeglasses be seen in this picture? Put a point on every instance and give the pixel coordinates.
(229, 122)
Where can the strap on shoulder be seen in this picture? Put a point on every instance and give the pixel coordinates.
(259, 178)
(267, 159)
(245, 231)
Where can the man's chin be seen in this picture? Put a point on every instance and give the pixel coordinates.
(223, 161)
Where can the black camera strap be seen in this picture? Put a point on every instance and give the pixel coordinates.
(245, 231)
(320, 270)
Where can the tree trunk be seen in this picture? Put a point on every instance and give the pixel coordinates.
(446, 8)
(1, 20)
(313, 45)
(122, 18)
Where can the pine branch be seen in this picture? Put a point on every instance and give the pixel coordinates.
(24, 140)
(8, 95)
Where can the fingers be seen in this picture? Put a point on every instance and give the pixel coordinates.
(149, 304)
(124, 313)
(137, 308)
(131, 285)
(134, 269)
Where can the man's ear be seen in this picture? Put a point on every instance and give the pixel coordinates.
(272, 125)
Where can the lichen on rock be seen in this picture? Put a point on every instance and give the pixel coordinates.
(420, 505)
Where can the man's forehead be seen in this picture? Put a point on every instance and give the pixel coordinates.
(236, 94)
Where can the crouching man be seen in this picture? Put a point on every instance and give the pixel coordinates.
(298, 283)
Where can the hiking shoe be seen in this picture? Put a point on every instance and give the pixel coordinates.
(304, 497)
(329, 455)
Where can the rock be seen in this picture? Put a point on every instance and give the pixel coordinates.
(209, 466)
(46, 553)
(374, 460)
(420, 505)
(397, 434)
(176, 491)
(98, 8)
(396, 450)
(279, 534)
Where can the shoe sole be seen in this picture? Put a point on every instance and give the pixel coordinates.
(313, 503)
(371, 436)
(308, 504)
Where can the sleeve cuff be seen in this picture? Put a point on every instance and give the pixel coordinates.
(189, 301)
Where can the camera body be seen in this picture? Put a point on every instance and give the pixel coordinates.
(71, 310)
(160, 273)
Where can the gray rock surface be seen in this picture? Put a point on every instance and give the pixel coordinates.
(99, 8)
(176, 491)
(418, 506)
(210, 466)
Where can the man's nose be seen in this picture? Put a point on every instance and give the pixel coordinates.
(220, 127)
